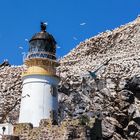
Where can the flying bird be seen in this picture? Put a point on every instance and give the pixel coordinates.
(75, 38)
(46, 23)
(93, 73)
(20, 47)
(26, 39)
(82, 24)
(58, 47)
(23, 52)
(28, 95)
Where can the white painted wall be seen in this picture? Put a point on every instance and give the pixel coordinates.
(8, 130)
(37, 100)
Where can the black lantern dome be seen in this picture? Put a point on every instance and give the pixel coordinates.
(42, 44)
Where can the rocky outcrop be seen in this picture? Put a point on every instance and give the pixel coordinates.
(10, 92)
(111, 90)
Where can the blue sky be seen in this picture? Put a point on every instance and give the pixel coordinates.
(20, 19)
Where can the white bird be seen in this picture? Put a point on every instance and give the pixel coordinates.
(46, 23)
(26, 39)
(23, 53)
(20, 47)
(75, 38)
(58, 47)
(82, 24)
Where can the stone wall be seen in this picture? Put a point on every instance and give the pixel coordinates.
(9, 137)
(68, 130)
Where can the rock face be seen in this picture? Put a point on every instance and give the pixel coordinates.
(99, 78)
(113, 90)
(10, 92)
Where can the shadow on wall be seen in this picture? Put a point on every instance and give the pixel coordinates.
(96, 130)
(133, 85)
(93, 127)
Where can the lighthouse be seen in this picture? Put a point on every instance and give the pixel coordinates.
(39, 93)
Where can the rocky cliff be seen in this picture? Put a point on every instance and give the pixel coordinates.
(99, 78)
(10, 92)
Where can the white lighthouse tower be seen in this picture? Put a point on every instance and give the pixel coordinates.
(39, 93)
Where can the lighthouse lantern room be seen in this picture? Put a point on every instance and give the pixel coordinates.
(39, 94)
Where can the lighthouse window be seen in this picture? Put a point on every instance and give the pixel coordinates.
(54, 91)
(36, 45)
(39, 43)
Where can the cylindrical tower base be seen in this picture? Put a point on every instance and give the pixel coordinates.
(39, 99)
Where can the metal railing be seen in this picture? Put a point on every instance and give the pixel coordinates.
(39, 55)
